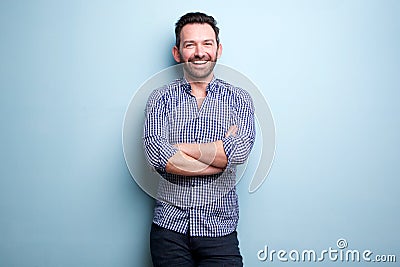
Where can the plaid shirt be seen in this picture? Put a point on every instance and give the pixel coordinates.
(202, 205)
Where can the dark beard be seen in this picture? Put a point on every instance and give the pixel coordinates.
(194, 73)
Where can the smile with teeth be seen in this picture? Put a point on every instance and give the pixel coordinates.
(199, 62)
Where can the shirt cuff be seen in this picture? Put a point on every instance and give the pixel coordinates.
(165, 154)
(229, 147)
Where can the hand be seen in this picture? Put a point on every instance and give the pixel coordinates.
(232, 131)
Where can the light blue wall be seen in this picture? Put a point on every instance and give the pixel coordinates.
(329, 70)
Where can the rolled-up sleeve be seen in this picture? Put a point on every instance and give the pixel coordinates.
(156, 144)
(238, 147)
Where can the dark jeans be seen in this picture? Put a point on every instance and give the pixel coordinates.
(169, 248)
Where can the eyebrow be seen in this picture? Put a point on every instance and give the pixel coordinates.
(203, 41)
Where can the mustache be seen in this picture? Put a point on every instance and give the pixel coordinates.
(205, 57)
(196, 58)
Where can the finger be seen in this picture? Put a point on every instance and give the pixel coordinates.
(229, 132)
(234, 129)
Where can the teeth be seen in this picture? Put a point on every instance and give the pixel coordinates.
(200, 62)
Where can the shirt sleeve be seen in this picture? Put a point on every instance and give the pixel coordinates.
(238, 147)
(157, 148)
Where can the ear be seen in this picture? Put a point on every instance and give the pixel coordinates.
(175, 54)
(219, 51)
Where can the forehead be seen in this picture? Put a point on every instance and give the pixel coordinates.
(197, 32)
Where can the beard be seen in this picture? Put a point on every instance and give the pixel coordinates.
(202, 69)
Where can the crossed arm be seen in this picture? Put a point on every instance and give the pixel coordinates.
(199, 159)
(188, 159)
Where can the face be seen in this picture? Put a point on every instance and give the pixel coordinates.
(198, 50)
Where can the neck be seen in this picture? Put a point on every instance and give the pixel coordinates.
(198, 85)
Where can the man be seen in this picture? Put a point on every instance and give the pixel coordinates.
(197, 129)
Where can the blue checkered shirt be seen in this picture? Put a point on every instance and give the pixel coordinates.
(198, 205)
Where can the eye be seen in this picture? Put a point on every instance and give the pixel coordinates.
(189, 45)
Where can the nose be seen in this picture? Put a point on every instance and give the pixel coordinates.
(199, 52)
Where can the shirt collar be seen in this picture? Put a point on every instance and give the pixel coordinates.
(210, 87)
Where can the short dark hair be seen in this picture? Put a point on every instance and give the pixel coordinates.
(191, 18)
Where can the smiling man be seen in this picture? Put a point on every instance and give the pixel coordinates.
(197, 129)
